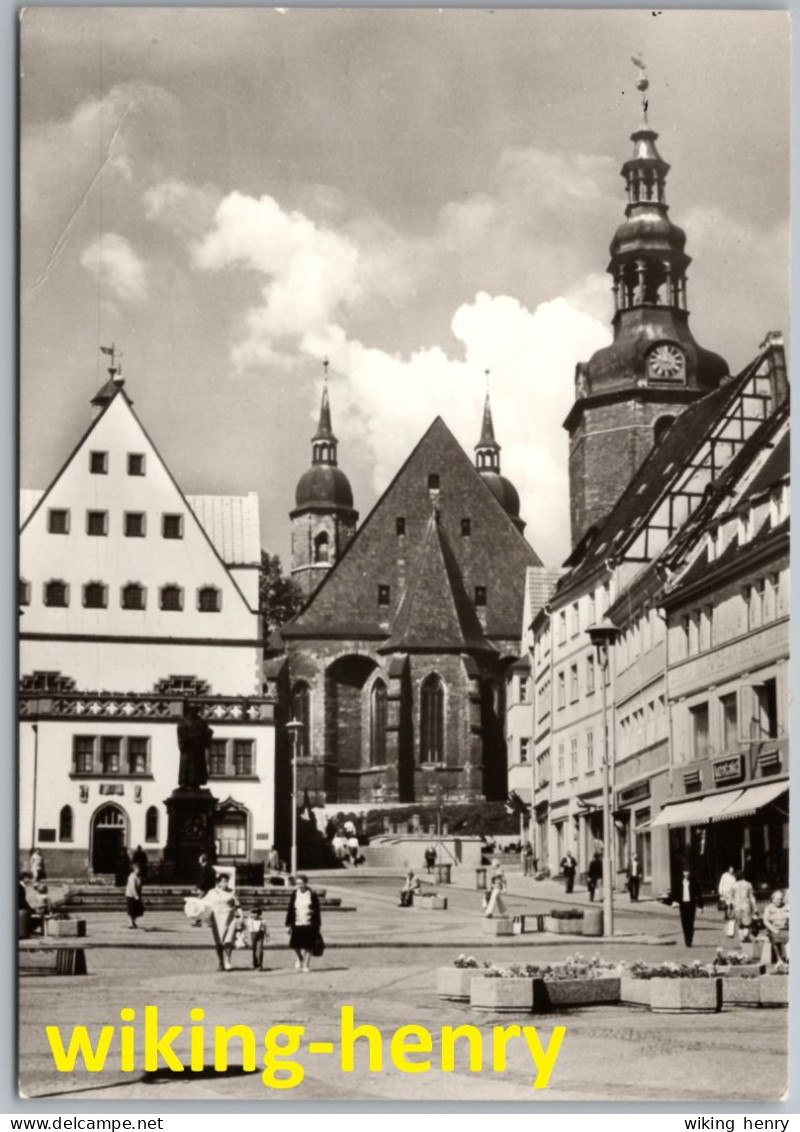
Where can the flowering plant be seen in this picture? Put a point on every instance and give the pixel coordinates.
(566, 913)
(642, 970)
(573, 967)
(731, 958)
(465, 962)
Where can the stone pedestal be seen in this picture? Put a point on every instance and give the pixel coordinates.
(190, 832)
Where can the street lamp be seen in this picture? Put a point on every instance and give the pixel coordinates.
(602, 637)
(295, 729)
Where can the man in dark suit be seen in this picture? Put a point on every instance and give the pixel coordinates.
(686, 894)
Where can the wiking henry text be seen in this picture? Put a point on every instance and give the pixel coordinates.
(144, 1045)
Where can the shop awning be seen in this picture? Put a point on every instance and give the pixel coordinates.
(751, 799)
(696, 811)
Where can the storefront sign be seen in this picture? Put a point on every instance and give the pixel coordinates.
(725, 769)
(634, 793)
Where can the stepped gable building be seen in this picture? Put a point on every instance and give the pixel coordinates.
(396, 666)
(630, 392)
(323, 521)
(136, 598)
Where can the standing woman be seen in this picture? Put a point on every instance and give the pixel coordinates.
(133, 896)
(223, 922)
(744, 905)
(304, 920)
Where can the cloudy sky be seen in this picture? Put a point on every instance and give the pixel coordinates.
(231, 195)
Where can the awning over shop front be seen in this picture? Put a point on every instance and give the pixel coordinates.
(696, 811)
(751, 799)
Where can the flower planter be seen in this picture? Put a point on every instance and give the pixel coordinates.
(685, 996)
(774, 990)
(431, 903)
(550, 994)
(636, 991)
(738, 970)
(741, 992)
(65, 929)
(500, 925)
(563, 927)
(502, 995)
(454, 982)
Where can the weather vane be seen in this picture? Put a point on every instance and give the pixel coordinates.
(115, 355)
(642, 83)
(325, 365)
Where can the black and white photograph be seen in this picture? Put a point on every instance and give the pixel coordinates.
(404, 461)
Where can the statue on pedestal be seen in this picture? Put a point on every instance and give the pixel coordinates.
(194, 740)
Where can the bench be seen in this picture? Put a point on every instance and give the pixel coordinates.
(51, 958)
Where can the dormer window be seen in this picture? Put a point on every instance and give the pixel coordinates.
(480, 596)
(384, 594)
(400, 526)
(466, 527)
(433, 482)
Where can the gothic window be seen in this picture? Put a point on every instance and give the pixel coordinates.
(230, 834)
(301, 711)
(432, 720)
(65, 824)
(377, 724)
(151, 824)
(322, 550)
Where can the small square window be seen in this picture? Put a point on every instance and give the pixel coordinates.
(133, 596)
(400, 526)
(135, 464)
(94, 595)
(56, 594)
(58, 522)
(480, 595)
(172, 526)
(134, 524)
(24, 592)
(97, 522)
(209, 600)
(433, 482)
(384, 594)
(98, 463)
(466, 527)
(172, 598)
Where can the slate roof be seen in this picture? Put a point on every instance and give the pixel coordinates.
(540, 582)
(775, 467)
(232, 524)
(432, 569)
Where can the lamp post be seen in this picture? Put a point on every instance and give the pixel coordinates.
(602, 637)
(295, 729)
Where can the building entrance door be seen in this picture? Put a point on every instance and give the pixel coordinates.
(109, 835)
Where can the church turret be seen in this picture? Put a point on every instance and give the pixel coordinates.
(323, 520)
(630, 392)
(487, 462)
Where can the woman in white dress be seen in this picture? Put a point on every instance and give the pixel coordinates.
(224, 907)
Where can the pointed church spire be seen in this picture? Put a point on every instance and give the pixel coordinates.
(487, 450)
(323, 443)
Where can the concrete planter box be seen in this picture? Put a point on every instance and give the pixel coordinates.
(563, 927)
(454, 982)
(549, 995)
(431, 903)
(593, 921)
(774, 990)
(65, 929)
(636, 991)
(514, 996)
(501, 925)
(741, 992)
(739, 971)
(685, 996)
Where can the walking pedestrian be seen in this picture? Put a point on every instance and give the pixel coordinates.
(223, 921)
(133, 896)
(569, 866)
(304, 921)
(686, 894)
(527, 859)
(634, 878)
(594, 875)
(493, 901)
(725, 891)
(744, 906)
(430, 859)
(259, 934)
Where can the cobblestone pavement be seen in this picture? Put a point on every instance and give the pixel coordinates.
(382, 961)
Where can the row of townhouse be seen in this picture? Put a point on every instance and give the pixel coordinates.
(689, 574)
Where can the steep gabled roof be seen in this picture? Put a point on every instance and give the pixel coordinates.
(494, 554)
(435, 611)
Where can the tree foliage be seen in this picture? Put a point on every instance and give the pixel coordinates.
(279, 597)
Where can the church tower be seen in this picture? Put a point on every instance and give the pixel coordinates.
(323, 520)
(487, 463)
(630, 392)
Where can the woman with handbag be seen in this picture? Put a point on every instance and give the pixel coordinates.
(304, 920)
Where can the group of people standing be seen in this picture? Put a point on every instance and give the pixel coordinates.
(738, 905)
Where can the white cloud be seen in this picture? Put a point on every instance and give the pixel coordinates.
(116, 266)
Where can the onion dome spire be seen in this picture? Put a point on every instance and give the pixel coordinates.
(324, 485)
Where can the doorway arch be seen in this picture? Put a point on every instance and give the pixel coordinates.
(109, 834)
